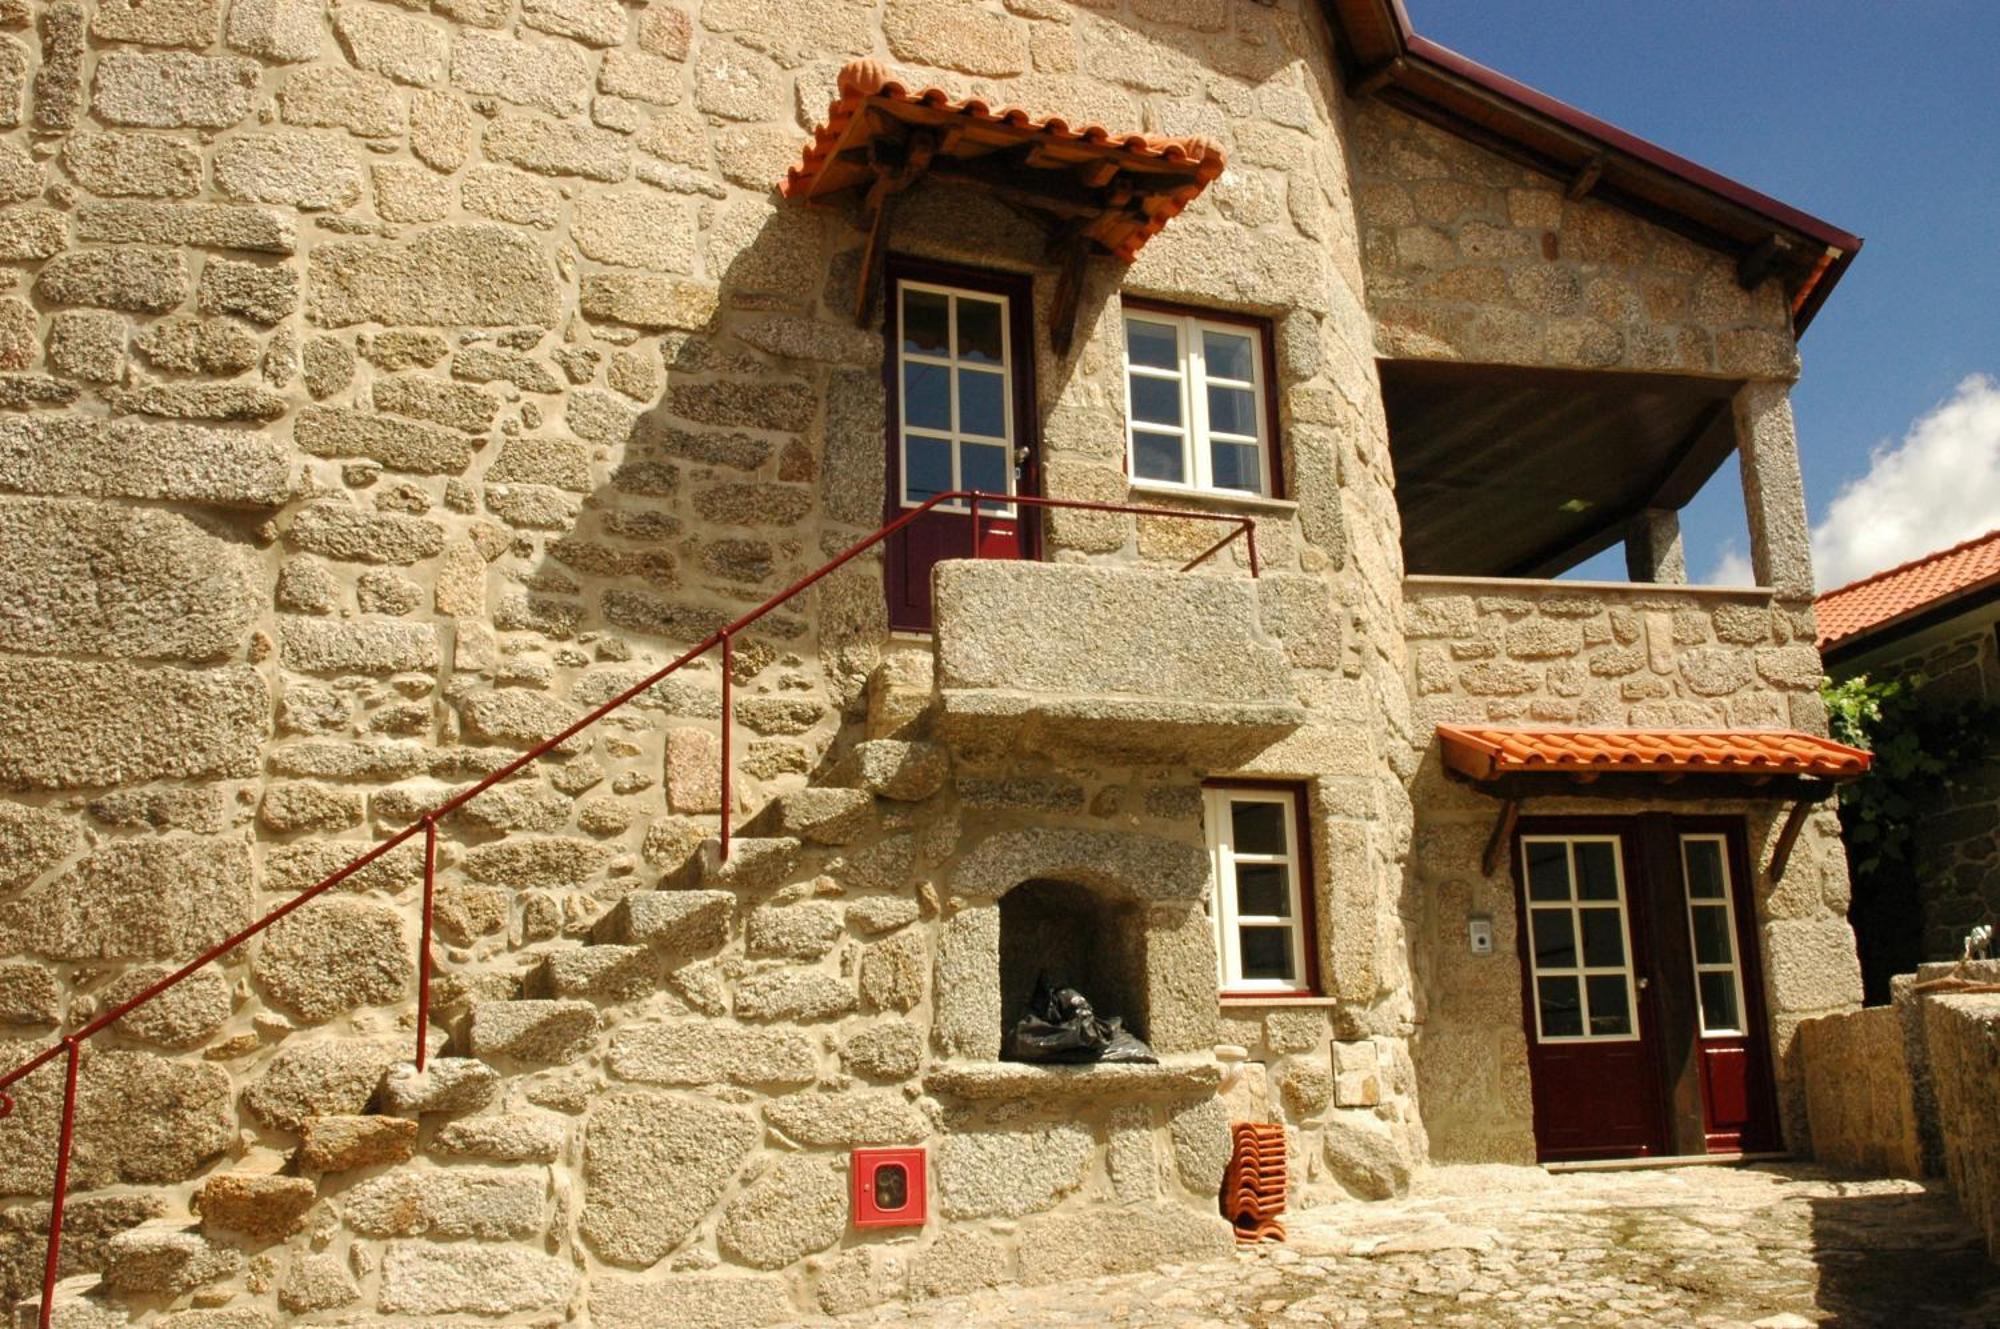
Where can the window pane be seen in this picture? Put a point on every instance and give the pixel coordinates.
(1603, 938)
(926, 322)
(1263, 889)
(1155, 345)
(979, 338)
(1596, 870)
(1158, 457)
(1555, 939)
(1266, 952)
(927, 396)
(983, 467)
(1258, 828)
(1718, 1004)
(1228, 355)
(1232, 411)
(1562, 1014)
(1610, 1005)
(1156, 401)
(1704, 869)
(982, 403)
(1548, 870)
(1236, 467)
(1711, 935)
(926, 468)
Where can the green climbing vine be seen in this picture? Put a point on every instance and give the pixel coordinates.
(1922, 750)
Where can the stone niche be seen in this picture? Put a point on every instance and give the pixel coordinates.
(1115, 914)
(1078, 939)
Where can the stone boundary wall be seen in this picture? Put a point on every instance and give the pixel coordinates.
(1858, 1092)
(1963, 1035)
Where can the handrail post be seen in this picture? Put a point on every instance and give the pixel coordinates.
(728, 706)
(424, 946)
(975, 524)
(1250, 542)
(66, 1143)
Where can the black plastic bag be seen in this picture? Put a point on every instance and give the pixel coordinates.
(1061, 1026)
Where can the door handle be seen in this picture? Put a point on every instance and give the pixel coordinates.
(1644, 982)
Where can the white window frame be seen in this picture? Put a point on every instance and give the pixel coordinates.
(1218, 801)
(1580, 971)
(1728, 904)
(954, 437)
(1197, 457)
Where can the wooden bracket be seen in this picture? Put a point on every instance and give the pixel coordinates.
(1758, 261)
(1371, 81)
(1585, 179)
(1071, 247)
(1503, 831)
(1788, 836)
(892, 177)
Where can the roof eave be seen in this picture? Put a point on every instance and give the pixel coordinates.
(1382, 52)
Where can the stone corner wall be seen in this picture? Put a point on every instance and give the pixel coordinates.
(1859, 1096)
(1963, 1036)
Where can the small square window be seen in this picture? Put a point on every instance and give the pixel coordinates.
(1262, 921)
(1197, 402)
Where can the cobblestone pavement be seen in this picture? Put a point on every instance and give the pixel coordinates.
(1785, 1247)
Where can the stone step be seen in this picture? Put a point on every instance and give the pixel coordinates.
(822, 815)
(677, 921)
(898, 769)
(610, 972)
(902, 692)
(540, 1031)
(755, 863)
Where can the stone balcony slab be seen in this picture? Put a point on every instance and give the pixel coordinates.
(1115, 663)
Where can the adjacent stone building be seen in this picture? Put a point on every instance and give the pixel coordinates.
(387, 387)
(1933, 623)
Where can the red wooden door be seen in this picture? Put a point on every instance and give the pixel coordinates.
(1592, 1063)
(1739, 1101)
(960, 417)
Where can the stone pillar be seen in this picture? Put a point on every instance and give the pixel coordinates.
(1773, 493)
(1653, 548)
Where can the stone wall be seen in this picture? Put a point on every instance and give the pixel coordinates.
(1858, 1092)
(1472, 257)
(384, 388)
(1963, 1035)
(1570, 653)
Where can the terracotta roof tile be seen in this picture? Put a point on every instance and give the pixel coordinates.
(1483, 752)
(1862, 606)
(1181, 167)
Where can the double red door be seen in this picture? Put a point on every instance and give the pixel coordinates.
(1640, 989)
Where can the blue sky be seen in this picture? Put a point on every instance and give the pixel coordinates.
(1881, 116)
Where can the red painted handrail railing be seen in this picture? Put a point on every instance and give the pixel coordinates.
(71, 1044)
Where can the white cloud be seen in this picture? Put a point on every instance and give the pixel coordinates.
(1732, 568)
(1939, 486)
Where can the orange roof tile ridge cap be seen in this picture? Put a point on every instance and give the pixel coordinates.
(1934, 556)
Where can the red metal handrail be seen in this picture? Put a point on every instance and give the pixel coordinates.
(71, 1044)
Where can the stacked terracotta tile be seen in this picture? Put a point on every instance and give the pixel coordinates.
(1253, 1189)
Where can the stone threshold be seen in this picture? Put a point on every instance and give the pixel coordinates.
(1174, 1077)
(1665, 1161)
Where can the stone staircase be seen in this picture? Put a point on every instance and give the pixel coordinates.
(453, 1169)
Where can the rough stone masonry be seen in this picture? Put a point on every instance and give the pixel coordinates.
(382, 385)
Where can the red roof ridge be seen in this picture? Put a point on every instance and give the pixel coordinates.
(1895, 594)
(1916, 562)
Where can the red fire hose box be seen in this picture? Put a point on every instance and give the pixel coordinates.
(889, 1188)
